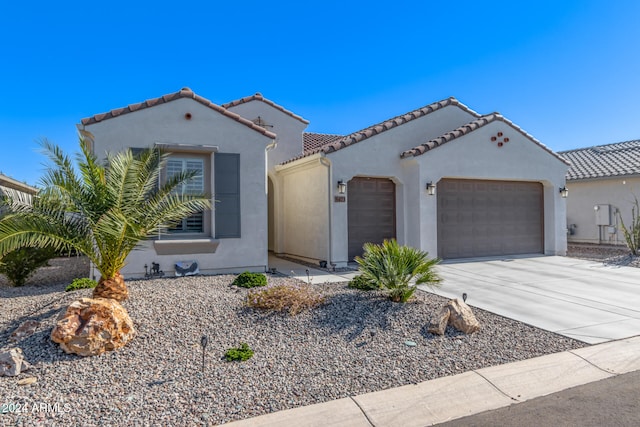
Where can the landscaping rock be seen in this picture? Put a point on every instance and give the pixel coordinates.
(12, 362)
(457, 314)
(461, 317)
(92, 326)
(439, 325)
(112, 288)
(23, 331)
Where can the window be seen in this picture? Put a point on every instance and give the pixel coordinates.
(176, 165)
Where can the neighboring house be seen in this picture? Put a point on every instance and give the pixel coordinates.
(494, 189)
(603, 184)
(11, 186)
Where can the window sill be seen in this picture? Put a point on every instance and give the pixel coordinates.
(186, 246)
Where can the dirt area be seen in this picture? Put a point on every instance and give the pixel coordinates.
(59, 271)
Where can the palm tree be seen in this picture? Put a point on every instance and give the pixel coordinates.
(394, 267)
(103, 211)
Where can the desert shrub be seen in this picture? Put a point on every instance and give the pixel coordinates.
(362, 283)
(240, 354)
(250, 280)
(285, 297)
(20, 264)
(84, 283)
(632, 232)
(393, 267)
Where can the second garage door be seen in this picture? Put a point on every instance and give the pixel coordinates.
(487, 218)
(371, 212)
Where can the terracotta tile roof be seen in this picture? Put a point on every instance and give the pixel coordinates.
(468, 128)
(363, 134)
(312, 141)
(618, 159)
(182, 93)
(258, 97)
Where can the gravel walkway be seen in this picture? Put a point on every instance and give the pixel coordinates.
(353, 344)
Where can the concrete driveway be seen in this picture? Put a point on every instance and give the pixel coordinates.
(580, 299)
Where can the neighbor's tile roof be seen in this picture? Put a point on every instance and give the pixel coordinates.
(618, 159)
(363, 134)
(182, 93)
(258, 97)
(312, 141)
(468, 128)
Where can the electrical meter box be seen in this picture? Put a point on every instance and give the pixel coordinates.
(603, 214)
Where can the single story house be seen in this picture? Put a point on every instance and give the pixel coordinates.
(441, 178)
(604, 182)
(10, 185)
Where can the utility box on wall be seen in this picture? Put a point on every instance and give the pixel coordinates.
(603, 214)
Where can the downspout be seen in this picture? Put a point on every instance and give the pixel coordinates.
(325, 162)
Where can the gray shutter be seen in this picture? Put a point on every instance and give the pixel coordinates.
(227, 195)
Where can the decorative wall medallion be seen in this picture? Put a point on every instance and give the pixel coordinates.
(499, 139)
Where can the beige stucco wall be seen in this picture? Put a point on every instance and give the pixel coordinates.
(305, 210)
(288, 129)
(166, 123)
(474, 156)
(619, 193)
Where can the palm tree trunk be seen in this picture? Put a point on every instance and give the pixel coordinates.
(113, 288)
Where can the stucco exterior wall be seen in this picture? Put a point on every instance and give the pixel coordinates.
(166, 123)
(619, 193)
(474, 156)
(288, 130)
(305, 210)
(377, 156)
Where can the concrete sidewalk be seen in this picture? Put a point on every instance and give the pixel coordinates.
(469, 393)
(299, 271)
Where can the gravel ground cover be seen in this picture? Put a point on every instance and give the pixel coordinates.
(608, 254)
(353, 344)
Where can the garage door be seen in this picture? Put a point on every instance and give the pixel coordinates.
(371, 212)
(486, 218)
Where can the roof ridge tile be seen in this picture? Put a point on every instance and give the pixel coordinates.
(185, 92)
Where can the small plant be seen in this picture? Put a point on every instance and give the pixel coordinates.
(20, 264)
(394, 267)
(632, 233)
(250, 280)
(84, 283)
(239, 354)
(362, 283)
(285, 297)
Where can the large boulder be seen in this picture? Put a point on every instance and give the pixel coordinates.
(113, 288)
(12, 362)
(457, 314)
(92, 326)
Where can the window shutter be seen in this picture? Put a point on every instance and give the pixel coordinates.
(227, 194)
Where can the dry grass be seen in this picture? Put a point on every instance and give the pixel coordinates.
(293, 298)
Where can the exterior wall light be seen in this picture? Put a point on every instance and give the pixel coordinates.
(431, 188)
(342, 187)
(564, 192)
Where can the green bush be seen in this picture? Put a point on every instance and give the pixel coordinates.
(239, 354)
(394, 267)
(362, 283)
(84, 283)
(20, 264)
(292, 298)
(250, 280)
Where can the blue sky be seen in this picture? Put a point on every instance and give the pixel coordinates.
(567, 72)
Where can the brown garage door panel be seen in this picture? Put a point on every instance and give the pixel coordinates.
(371, 206)
(485, 218)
